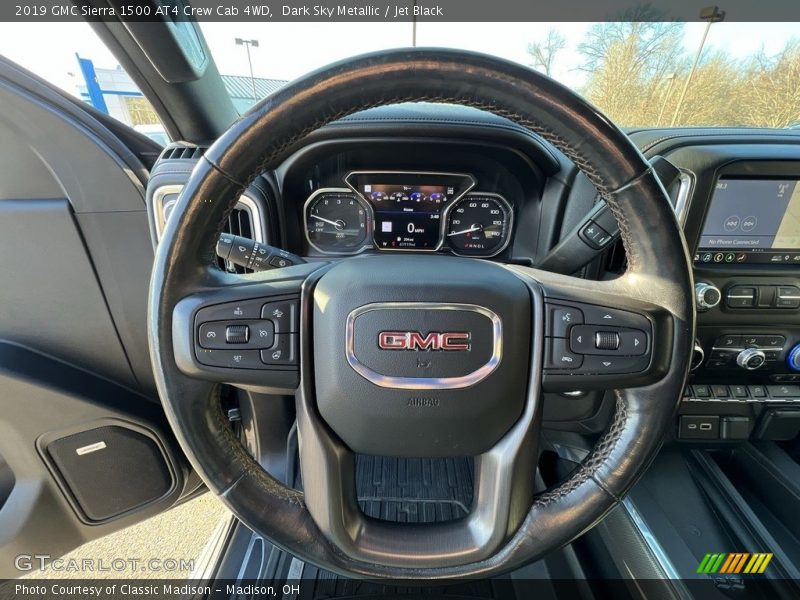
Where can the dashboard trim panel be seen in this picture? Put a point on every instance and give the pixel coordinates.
(245, 203)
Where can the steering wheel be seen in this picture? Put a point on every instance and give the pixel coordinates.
(421, 355)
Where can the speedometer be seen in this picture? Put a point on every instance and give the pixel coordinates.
(337, 222)
(479, 225)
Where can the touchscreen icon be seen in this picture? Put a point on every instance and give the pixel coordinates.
(749, 223)
(732, 222)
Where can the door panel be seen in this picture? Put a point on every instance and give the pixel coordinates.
(79, 416)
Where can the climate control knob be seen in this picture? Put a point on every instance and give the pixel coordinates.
(793, 358)
(751, 359)
(706, 295)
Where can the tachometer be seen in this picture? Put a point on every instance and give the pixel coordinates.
(479, 225)
(337, 222)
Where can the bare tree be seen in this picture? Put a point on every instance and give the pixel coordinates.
(629, 63)
(771, 92)
(544, 53)
(635, 66)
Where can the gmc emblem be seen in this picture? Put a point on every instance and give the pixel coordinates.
(413, 340)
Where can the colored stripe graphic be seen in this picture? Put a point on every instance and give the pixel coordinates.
(734, 562)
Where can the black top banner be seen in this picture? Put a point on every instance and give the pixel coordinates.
(399, 10)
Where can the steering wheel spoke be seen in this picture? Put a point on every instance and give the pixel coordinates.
(245, 330)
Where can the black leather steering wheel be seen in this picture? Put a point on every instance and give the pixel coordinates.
(354, 395)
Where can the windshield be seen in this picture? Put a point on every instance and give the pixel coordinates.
(639, 73)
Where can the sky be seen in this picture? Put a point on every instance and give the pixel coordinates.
(288, 50)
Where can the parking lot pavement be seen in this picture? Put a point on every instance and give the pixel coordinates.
(178, 535)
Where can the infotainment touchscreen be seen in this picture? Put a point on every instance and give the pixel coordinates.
(752, 221)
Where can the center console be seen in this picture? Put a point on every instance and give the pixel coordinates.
(743, 224)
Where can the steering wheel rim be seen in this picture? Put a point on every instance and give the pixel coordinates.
(657, 284)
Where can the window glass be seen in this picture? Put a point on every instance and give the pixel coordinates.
(71, 57)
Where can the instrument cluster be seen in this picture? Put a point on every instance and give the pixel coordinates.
(408, 211)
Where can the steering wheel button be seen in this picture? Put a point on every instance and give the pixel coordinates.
(237, 334)
(247, 309)
(614, 364)
(560, 356)
(283, 353)
(230, 359)
(212, 335)
(600, 315)
(632, 342)
(561, 319)
(283, 314)
(606, 340)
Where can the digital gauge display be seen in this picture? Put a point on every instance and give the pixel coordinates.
(409, 208)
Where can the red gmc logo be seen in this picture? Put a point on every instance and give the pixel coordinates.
(414, 340)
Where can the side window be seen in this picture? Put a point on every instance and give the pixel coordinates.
(75, 60)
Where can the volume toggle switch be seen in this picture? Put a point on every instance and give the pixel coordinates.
(707, 295)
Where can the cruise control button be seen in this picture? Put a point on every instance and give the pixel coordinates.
(560, 356)
(284, 314)
(247, 309)
(221, 335)
(561, 318)
(237, 334)
(615, 364)
(212, 335)
(230, 359)
(284, 352)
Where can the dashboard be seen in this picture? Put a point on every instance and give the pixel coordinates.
(459, 182)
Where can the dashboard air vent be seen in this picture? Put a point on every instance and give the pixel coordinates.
(178, 151)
